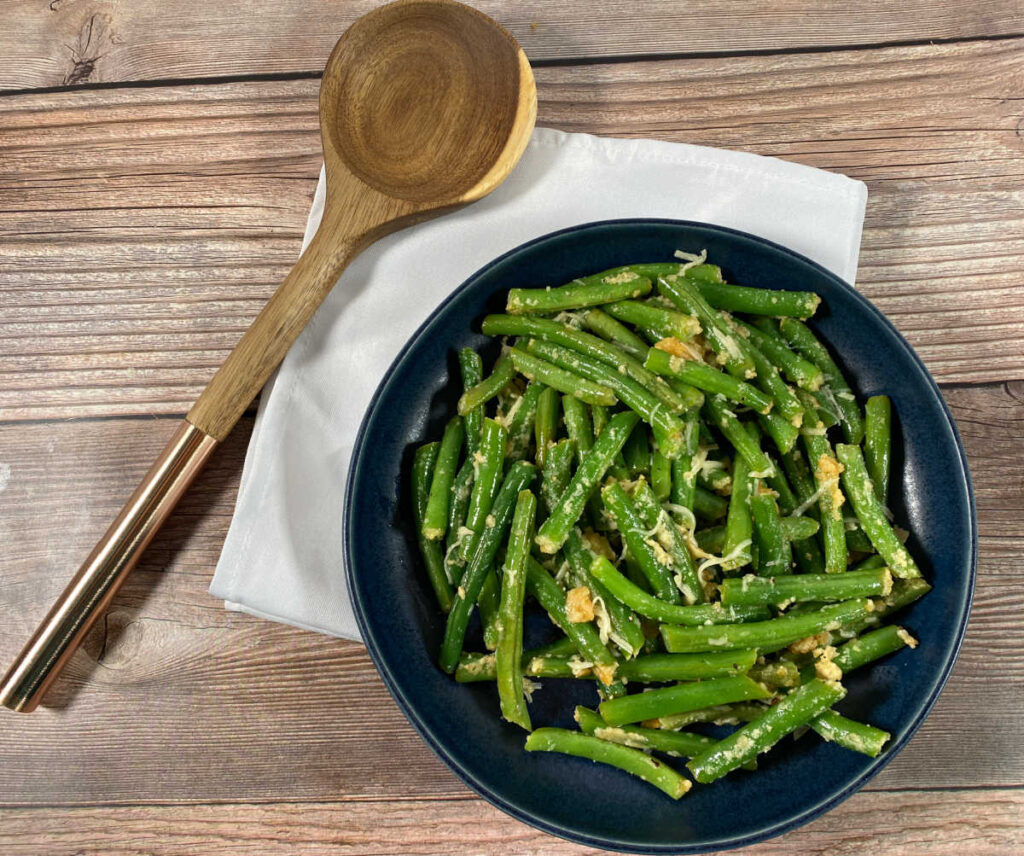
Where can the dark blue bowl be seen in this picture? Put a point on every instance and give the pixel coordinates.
(574, 798)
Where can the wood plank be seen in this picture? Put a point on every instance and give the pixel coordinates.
(965, 823)
(292, 715)
(141, 229)
(63, 42)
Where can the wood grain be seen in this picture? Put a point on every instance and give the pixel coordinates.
(142, 229)
(925, 823)
(69, 42)
(174, 699)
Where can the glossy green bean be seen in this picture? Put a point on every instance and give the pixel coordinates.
(702, 615)
(678, 744)
(435, 518)
(666, 425)
(488, 469)
(540, 370)
(871, 513)
(625, 758)
(519, 476)
(682, 697)
(501, 375)
(671, 540)
(830, 500)
(618, 334)
(586, 344)
(433, 559)
(878, 443)
(765, 335)
(800, 337)
(471, 368)
(556, 472)
(739, 524)
(798, 588)
(519, 419)
(707, 378)
(774, 633)
(746, 743)
(850, 734)
(605, 287)
(552, 534)
(775, 554)
(545, 423)
(663, 322)
(509, 652)
(718, 413)
(654, 561)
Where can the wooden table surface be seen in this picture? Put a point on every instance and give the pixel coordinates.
(157, 161)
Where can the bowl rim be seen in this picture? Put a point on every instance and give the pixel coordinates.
(626, 845)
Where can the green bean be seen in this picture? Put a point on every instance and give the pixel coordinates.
(564, 381)
(486, 547)
(774, 633)
(679, 744)
(775, 674)
(519, 419)
(708, 505)
(545, 661)
(624, 757)
(798, 588)
(712, 539)
(545, 424)
(775, 555)
(653, 559)
(878, 443)
(857, 540)
(552, 534)
(746, 743)
(625, 629)
(661, 475)
(488, 466)
(655, 668)
(707, 378)
(584, 636)
(435, 518)
(806, 343)
(784, 434)
(830, 499)
(717, 479)
(457, 530)
(698, 615)
(509, 652)
(671, 540)
(753, 301)
(684, 477)
(665, 323)
(799, 528)
(433, 559)
(720, 714)
(747, 447)
(693, 398)
(666, 426)
(684, 294)
(850, 734)
(653, 704)
(606, 287)
(619, 334)
(471, 367)
(583, 343)
(866, 648)
(577, 425)
(556, 472)
(599, 416)
(765, 334)
(739, 524)
(867, 564)
(871, 513)
(637, 451)
(488, 602)
(500, 377)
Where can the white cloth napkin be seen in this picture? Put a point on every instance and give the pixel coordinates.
(282, 558)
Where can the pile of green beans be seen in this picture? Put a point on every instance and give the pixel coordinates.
(677, 472)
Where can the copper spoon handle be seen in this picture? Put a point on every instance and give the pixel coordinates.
(102, 573)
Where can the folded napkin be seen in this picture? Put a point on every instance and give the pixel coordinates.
(282, 558)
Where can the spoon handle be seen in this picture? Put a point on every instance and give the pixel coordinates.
(210, 420)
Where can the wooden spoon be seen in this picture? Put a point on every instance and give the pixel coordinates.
(425, 106)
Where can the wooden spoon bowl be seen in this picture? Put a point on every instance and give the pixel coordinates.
(425, 105)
